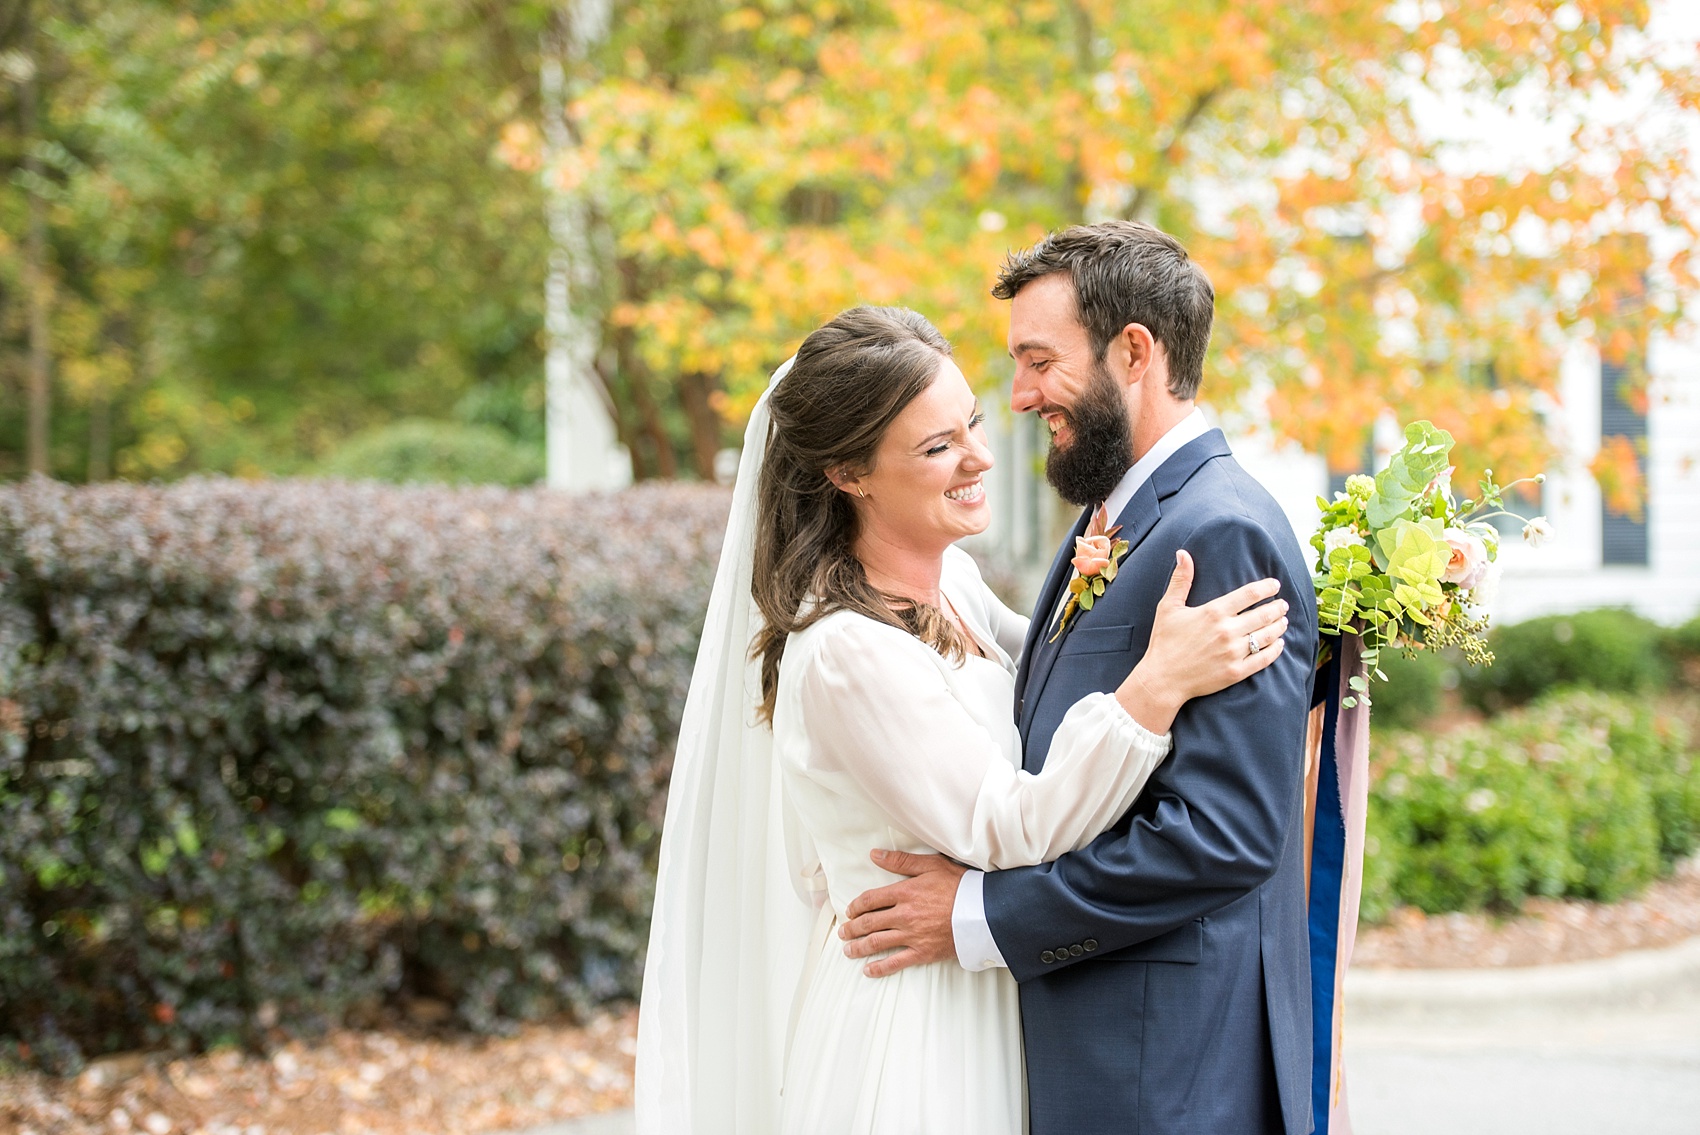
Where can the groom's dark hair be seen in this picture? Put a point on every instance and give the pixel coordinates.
(1127, 272)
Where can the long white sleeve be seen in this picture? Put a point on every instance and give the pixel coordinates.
(880, 713)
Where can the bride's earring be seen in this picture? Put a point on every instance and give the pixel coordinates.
(860, 493)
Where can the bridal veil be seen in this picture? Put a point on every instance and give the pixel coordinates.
(731, 923)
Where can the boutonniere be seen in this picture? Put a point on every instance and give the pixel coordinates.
(1096, 556)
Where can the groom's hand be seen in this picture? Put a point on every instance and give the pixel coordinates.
(911, 917)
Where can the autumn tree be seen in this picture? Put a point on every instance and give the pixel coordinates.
(268, 223)
(762, 165)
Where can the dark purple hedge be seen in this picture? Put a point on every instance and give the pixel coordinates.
(273, 752)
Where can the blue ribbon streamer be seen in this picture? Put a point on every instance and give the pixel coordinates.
(1327, 867)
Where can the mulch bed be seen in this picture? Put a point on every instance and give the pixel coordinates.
(349, 1083)
(1546, 931)
(412, 1081)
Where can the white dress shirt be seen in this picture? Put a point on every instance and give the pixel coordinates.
(975, 947)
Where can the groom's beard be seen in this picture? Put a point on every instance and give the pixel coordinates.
(1100, 448)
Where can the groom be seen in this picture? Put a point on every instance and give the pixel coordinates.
(1164, 968)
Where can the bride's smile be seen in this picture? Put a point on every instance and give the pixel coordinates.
(974, 492)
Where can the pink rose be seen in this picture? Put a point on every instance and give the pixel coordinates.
(1469, 560)
(1091, 554)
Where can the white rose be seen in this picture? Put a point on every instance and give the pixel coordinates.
(1340, 538)
(1537, 531)
(1487, 589)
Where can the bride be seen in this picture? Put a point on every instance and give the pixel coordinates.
(854, 691)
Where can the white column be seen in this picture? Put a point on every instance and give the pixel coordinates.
(583, 449)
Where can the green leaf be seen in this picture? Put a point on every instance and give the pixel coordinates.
(50, 871)
(343, 820)
(1415, 597)
(1426, 453)
(188, 839)
(157, 857)
(1336, 606)
(1388, 504)
(1415, 553)
(1086, 598)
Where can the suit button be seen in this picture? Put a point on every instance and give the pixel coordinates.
(1090, 944)
(1075, 951)
(1048, 957)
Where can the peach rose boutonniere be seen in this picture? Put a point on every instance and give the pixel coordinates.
(1096, 557)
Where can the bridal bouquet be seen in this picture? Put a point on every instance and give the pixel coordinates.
(1403, 564)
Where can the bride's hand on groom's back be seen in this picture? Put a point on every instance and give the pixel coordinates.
(911, 916)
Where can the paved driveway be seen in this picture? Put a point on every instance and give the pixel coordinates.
(1527, 1066)
(1635, 1068)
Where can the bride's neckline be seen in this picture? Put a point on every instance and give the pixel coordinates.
(976, 648)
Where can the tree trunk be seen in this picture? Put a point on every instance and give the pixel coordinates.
(666, 461)
(100, 437)
(609, 369)
(637, 384)
(696, 393)
(35, 276)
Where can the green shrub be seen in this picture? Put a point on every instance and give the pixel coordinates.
(1606, 649)
(422, 451)
(1471, 828)
(1580, 794)
(1411, 695)
(1682, 644)
(273, 752)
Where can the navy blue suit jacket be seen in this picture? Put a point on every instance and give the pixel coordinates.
(1165, 967)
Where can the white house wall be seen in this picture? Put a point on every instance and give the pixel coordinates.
(1566, 574)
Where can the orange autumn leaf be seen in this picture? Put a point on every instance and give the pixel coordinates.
(1618, 469)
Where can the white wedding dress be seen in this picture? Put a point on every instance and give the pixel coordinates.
(751, 1023)
(883, 743)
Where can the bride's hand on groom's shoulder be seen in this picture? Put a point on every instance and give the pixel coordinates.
(910, 917)
(1196, 651)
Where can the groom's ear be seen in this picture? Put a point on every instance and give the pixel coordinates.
(1134, 356)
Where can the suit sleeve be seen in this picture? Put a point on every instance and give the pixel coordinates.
(1214, 819)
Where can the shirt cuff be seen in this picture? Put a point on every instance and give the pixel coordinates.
(975, 948)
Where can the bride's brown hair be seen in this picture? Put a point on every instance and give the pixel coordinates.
(850, 380)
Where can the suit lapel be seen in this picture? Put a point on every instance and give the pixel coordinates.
(1137, 518)
(1044, 614)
